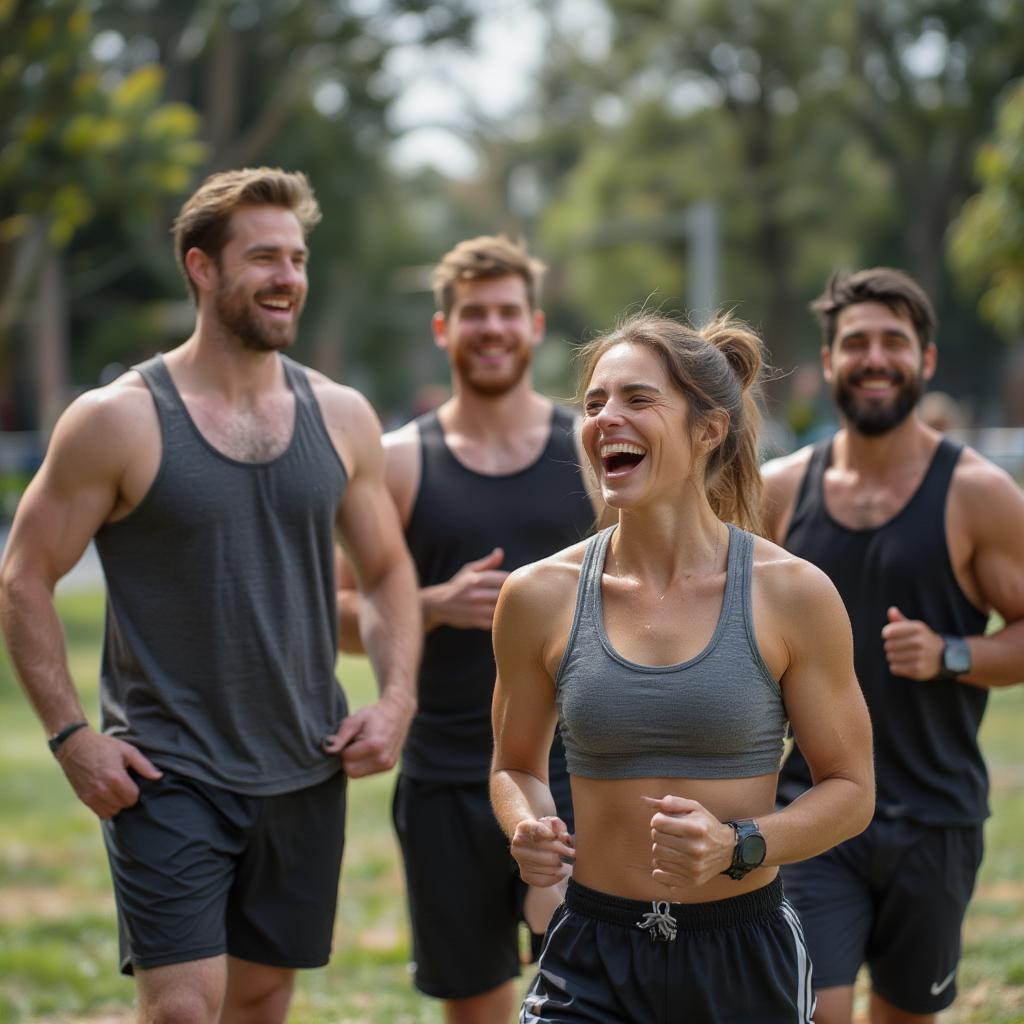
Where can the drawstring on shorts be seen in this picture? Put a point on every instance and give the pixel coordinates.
(658, 922)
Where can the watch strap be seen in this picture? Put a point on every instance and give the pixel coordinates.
(744, 829)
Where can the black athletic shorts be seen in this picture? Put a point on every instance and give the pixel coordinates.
(609, 960)
(893, 897)
(464, 891)
(200, 871)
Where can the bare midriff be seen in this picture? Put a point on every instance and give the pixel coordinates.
(613, 833)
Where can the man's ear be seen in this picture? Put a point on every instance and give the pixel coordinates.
(929, 361)
(201, 269)
(539, 324)
(826, 363)
(438, 326)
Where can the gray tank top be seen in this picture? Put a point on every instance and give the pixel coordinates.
(719, 715)
(221, 633)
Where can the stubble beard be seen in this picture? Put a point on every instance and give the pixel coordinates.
(486, 385)
(236, 316)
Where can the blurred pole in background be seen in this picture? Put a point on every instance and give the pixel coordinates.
(702, 274)
(48, 342)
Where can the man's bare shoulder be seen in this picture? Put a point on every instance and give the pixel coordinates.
(403, 441)
(782, 477)
(986, 493)
(342, 405)
(978, 475)
(786, 472)
(116, 413)
(103, 433)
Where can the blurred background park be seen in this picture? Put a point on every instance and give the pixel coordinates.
(690, 154)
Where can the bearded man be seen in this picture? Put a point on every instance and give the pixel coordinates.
(215, 480)
(923, 538)
(486, 483)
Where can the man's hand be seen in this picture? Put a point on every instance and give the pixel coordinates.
(543, 849)
(467, 600)
(369, 740)
(912, 649)
(690, 846)
(97, 768)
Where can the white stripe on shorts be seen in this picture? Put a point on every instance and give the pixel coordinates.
(805, 1000)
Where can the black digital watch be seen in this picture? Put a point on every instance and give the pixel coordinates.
(750, 849)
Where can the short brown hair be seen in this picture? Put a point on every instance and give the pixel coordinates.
(487, 256)
(893, 288)
(205, 219)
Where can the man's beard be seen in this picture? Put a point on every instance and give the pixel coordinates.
(484, 383)
(874, 418)
(237, 316)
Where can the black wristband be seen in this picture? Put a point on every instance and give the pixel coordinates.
(58, 738)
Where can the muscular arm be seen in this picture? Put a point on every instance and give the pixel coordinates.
(827, 714)
(523, 718)
(986, 514)
(74, 492)
(998, 659)
(370, 534)
(466, 601)
(807, 634)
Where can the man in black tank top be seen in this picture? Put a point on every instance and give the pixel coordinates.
(214, 481)
(923, 538)
(484, 485)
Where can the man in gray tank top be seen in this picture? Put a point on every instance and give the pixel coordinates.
(485, 484)
(214, 481)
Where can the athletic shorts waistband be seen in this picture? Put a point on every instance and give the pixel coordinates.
(661, 918)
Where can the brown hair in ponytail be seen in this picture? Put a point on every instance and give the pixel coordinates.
(718, 367)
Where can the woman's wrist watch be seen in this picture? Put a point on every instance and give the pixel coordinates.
(749, 851)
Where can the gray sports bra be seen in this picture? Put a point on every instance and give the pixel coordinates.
(719, 715)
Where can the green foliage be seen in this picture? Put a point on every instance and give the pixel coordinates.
(829, 136)
(986, 245)
(79, 141)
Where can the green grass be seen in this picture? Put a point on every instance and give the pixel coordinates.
(58, 944)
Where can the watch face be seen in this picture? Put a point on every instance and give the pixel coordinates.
(956, 657)
(752, 850)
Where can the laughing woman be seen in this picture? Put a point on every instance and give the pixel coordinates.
(673, 648)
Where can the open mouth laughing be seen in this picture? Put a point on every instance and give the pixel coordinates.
(621, 457)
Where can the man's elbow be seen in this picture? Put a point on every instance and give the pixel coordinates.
(17, 588)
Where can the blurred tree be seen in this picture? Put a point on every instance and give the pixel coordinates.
(703, 101)
(305, 86)
(828, 136)
(925, 79)
(986, 245)
(76, 146)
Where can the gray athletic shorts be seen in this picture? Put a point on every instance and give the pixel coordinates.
(200, 871)
(893, 897)
(609, 960)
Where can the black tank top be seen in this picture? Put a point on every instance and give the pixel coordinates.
(928, 764)
(221, 633)
(460, 516)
